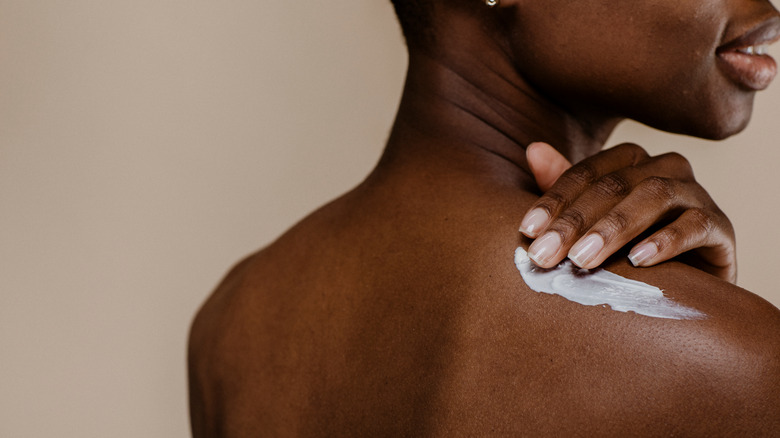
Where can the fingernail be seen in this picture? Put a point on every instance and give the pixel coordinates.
(533, 222)
(643, 253)
(544, 248)
(586, 249)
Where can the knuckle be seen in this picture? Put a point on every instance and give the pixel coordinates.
(668, 237)
(729, 253)
(721, 224)
(552, 201)
(616, 222)
(633, 150)
(677, 161)
(571, 220)
(728, 229)
(699, 194)
(693, 229)
(659, 187)
(700, 220)
(583, 173)
(613, 185)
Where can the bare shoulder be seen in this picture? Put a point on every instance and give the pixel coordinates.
(364, 323)
(718, 374)
(266, 349)
(536, 362)
(733, 352)
(736, 317)
(241, 378)
(209, 339)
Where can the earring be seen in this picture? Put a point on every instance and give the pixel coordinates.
(491, 3)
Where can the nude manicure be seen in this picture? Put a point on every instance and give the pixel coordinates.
(544, 248)
(586, 249)
(533, 222)
(643, 253)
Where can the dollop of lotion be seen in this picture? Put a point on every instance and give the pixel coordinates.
(599, 287)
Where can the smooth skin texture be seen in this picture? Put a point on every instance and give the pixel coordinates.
(397, 308)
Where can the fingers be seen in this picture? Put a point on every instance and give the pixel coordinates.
(701, 227)
(711, 235)
(600, 200)
(573, 182)
(596, 207)
(650, 202)
(546, 163)
(614, 209)
(577, 207)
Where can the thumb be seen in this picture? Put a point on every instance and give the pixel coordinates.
(546, 163)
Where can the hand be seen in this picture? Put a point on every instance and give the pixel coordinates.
(591, 210)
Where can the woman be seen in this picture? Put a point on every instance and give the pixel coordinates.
(398, 308)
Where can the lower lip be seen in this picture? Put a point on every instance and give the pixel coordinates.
(754, 72)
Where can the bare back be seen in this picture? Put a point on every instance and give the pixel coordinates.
(397, 310)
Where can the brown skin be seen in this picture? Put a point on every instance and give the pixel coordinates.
(397, 309)
(617, 195)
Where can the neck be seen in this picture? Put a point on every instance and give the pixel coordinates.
(478, 115)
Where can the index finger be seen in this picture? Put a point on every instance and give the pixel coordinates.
(574, 181)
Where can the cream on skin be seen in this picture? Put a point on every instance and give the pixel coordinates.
(599, 287)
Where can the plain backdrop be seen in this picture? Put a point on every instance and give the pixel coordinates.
(146, 146)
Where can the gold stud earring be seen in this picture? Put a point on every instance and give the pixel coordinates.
(491, 3)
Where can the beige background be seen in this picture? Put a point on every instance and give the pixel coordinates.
(147, 145)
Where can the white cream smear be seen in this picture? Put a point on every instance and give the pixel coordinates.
(599, 287)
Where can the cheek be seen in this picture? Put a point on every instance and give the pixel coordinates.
(659, 69)
(663, 74)
(600, 55)
(688, 94)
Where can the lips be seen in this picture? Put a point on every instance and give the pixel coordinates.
(744, 59)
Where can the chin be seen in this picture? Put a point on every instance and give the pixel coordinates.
(714, 125)
(732, 119)
(724, 134)
(715, 132)
(725, 127)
